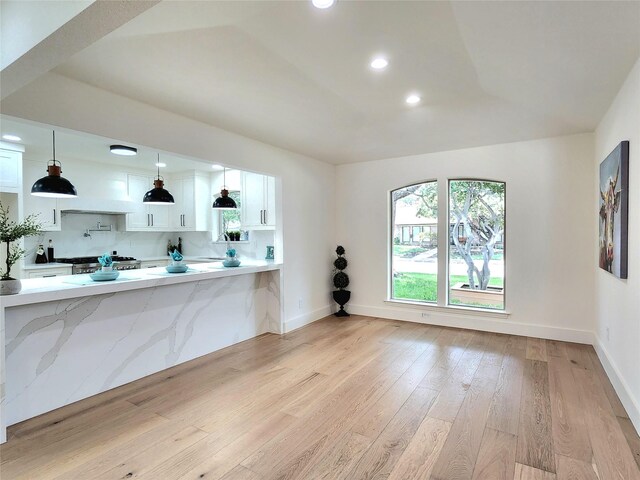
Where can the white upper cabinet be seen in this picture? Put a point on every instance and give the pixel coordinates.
(258, 202)
(47, 209)
(145, 217)
(192, 194)
(10, 171)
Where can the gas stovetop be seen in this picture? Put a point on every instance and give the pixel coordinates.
(91, 264)
(81, 260)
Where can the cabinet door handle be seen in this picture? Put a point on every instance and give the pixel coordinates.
(152, 219)
(47, 276)
(55, 220)
(265, 217)
(148, 220)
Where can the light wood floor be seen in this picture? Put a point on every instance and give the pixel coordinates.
(352, 399)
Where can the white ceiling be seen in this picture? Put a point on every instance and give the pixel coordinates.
(297, 77)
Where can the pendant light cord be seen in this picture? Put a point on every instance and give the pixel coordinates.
(54, 147)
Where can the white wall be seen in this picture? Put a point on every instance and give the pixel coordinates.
(550, 222)
(308, 190)
(618, 301)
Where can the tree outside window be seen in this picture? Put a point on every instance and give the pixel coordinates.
(414, 259)
(475, 250)
(477, 219)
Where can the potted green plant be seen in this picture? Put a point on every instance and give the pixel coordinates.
(12, 231)
(341, 281)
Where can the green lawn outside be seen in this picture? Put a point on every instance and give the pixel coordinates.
(423, 287)
(410, 251)
(407, 251)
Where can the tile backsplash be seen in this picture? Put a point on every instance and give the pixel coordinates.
(71, 241)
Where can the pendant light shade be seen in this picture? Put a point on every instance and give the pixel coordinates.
(158, 195)
(224, 201)
(53, 185)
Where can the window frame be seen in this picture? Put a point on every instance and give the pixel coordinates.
(442, 303)
(449, 245)
(390, 226)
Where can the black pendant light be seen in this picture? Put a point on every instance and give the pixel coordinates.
(224, 201)
(53, 185)
(158, 195)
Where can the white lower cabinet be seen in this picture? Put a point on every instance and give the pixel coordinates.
(48, 272)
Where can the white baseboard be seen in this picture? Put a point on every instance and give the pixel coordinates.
(484, 323)
(630, 403)
(306, 318)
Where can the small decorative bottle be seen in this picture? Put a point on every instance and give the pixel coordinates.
(50, 254)
(179, 244)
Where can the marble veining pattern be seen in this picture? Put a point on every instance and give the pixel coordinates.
(92, 344)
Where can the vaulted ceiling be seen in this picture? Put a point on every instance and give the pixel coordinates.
(299, 78)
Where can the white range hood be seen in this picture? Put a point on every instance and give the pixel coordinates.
(87, 205)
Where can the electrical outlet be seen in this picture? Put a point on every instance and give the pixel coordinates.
(426, 315)
(607, 333)
(300, 304)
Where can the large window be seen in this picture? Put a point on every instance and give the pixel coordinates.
(476, 249)
(475, 222)
(414, 258)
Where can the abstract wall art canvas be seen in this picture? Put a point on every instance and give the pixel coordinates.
(614, 211)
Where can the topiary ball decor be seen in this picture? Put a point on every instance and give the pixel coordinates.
(341, 281)
(340, 263)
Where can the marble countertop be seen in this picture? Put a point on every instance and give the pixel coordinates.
(188, 258)
(37, 290)
(159, 258)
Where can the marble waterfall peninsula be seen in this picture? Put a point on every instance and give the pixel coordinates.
(65, 340)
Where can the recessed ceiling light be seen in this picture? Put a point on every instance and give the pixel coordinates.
(413, 99)
(379, 63)
(323, 3)
(123, 150)
(161, 165)
(11, 138)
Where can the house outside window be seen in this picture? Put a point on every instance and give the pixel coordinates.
(414, 257)
(475, 250)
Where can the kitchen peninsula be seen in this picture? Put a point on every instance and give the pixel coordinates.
(67, 338)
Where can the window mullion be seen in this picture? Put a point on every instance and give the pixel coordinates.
(443, 241)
